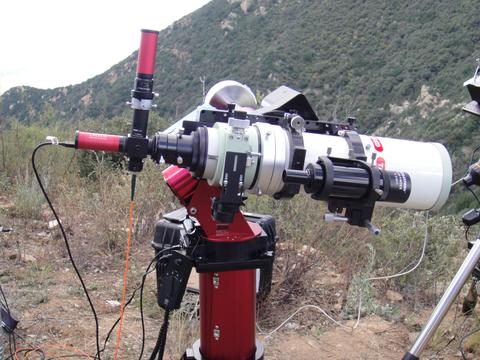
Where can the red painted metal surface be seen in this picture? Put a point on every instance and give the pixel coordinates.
(238, 230)
(147, 52)
(227, 315)
(99, 142)
(180, 182)
(227, 299)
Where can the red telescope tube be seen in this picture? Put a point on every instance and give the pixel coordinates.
(147, 52)
(99, 142)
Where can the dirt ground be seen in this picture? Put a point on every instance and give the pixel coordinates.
(46, 296)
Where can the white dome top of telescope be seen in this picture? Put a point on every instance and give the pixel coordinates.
(231, 92)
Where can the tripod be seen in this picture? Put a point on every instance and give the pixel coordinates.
(466, 269)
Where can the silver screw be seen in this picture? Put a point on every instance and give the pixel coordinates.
(179, 160)
(193, 210)
(216, 332)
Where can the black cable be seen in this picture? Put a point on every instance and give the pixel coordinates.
(141, 295)
(473, 193)
(162, 335)
(4, 298)
(117, 321)
(10, 344)
(163, 332)
(26, 351)
(132, 186)
(469, 164)
(14, 341)
(471, 156)
(466, 233)
(10, 336)
(67, 245)
(158, 350)
(144, 276)
(464, 357)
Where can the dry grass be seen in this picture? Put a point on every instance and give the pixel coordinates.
(316, 263)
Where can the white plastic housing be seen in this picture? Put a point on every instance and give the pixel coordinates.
(428, 164)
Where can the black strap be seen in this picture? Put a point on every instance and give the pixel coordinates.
(355, 146)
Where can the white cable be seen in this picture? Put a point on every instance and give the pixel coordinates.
(351, 328)
(416, 265)
(425, 241)
(456, 182)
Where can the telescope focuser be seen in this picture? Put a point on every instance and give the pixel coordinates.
(351, 185)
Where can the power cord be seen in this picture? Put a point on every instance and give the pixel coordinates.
(64, 235)
(141, 293)
(144, 276)
(9, 329)
(402, 273)
(162, 338)
(159, 348)
(125, 272)
(315, 307)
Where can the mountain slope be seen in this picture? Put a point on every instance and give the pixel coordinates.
(398, 66)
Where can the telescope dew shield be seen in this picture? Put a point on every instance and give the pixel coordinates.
(147, 52)
(428, 165)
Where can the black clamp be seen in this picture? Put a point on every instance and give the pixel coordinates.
(297, 163)
(355, 146)
(358, 211)
(231, 197)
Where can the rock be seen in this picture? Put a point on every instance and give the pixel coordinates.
(113, 303)
(28, 258)
(52, 224)
(393, 296)
(292, 326)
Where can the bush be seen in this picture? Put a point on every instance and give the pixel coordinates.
(28, 200)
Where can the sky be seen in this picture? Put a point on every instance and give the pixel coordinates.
(51, 43)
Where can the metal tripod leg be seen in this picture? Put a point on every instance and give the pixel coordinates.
(445, 303)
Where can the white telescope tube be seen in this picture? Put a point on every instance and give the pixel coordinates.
(270, 153)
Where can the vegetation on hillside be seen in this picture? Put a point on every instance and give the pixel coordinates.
(397, 66)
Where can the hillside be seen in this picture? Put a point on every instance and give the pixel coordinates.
(397, 66)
